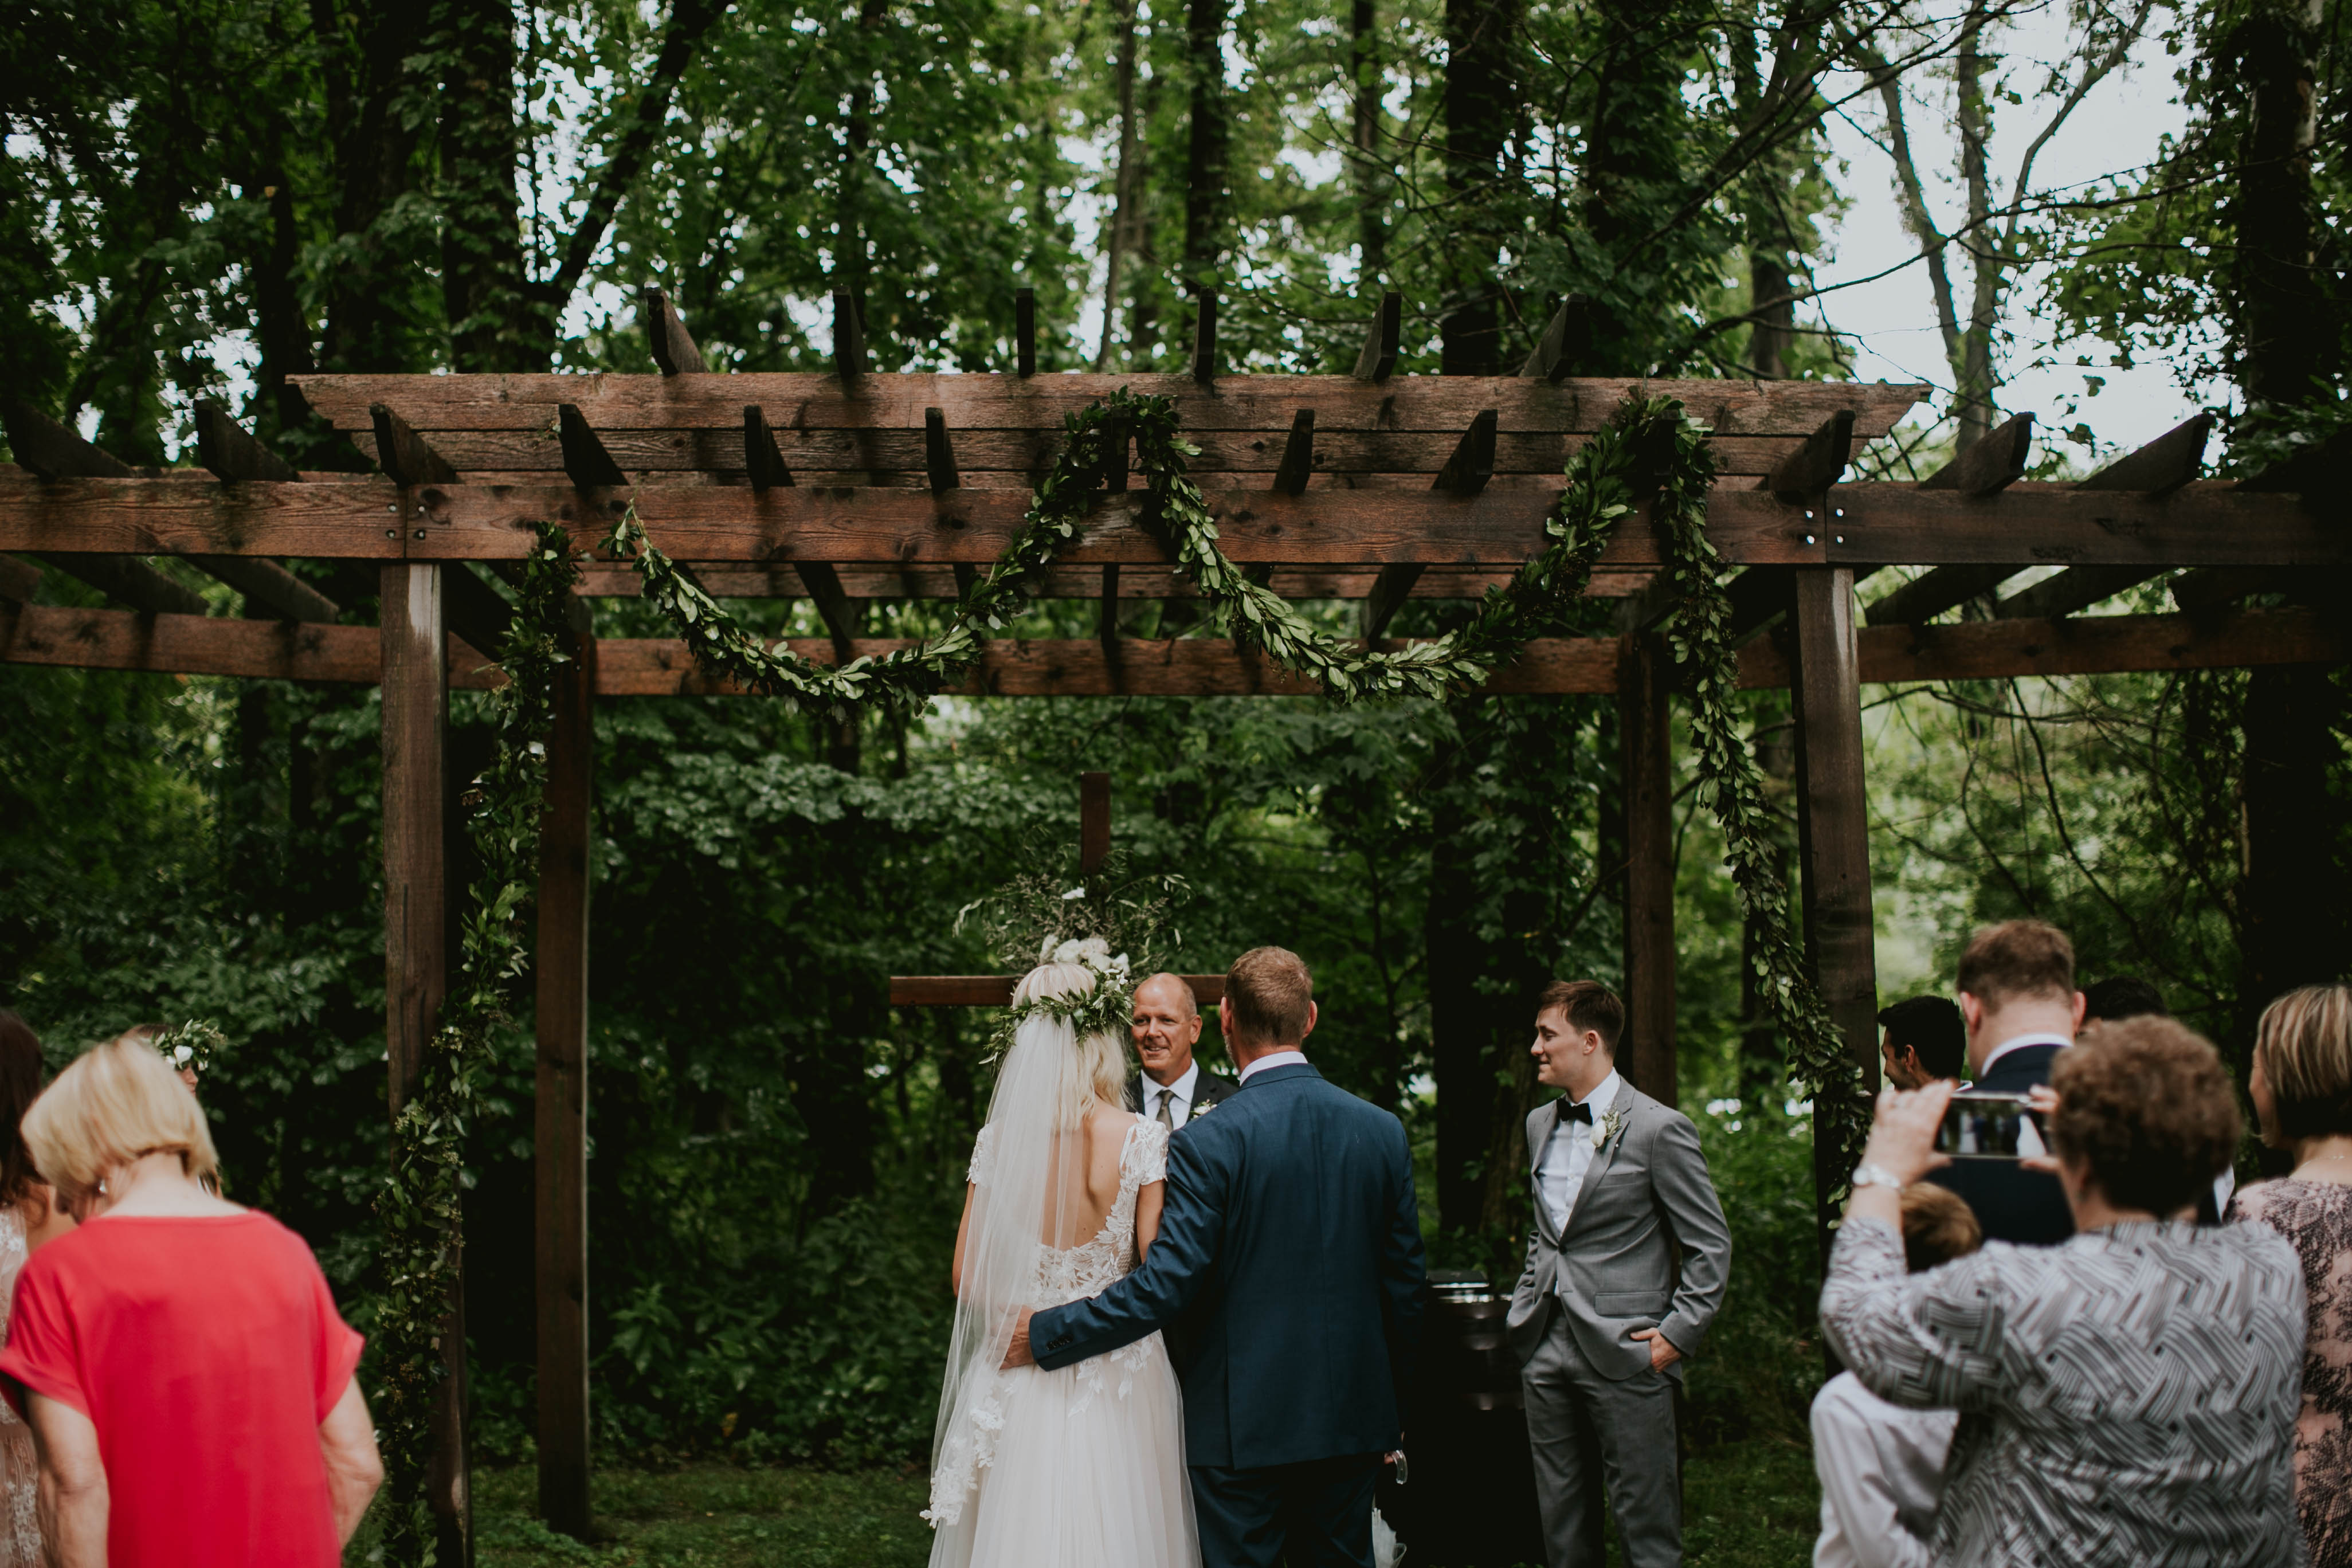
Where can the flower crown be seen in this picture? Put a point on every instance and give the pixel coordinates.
(1105, 1007)
(191, 1045)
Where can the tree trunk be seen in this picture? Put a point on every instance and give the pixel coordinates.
(1371, 177)
(850, 270)
(1481, 96)
(372, 298)
(1456, 1028)
(1206, 144)
(493, 323)
(2279, 297)
(1123, 211)
(1635, 129)
(1972, 372)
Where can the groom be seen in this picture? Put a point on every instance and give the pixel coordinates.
(1291, 1245)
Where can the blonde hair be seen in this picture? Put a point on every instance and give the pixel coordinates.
(1101, 1077)
(2304, 1044)
(116, 1103)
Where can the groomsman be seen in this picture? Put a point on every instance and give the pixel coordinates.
(1172, 1087)
(1626, 1266)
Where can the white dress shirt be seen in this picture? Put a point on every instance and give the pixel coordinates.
(1178, 1096)
(1882, 1471)
(1568, 1153)
(1273, 1059)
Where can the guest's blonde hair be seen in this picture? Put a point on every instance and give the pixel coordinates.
(116, 1104)
(2304, 1044)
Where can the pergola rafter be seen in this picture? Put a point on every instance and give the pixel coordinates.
(858, 484)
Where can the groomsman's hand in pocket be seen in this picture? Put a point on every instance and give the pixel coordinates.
(1017, 1353)
(1663, 1353)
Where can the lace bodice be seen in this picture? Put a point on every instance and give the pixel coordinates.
(1073, 1273)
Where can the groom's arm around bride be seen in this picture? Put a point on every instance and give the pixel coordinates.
(1290, 1244)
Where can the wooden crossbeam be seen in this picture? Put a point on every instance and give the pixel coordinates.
(2211, 588)
(741, 581)
(2070, 591)
(270, 591)
(939, 452)
(2315, 472)
(841, 614)
(474, 610)
(1566, 342)
(1759, 600)
(18, 580)
(585, 460)
(1925, 598)
(763, 463)
(1107, 616)
(2164, 465)
(51, 451)
(996, 990)
(1817, 465)
(1025, 331)
(401, 452)
(1472, 465)
(673, 346)
(1993, 464)
(1378, 360)
(198, 645)
(1297, 455)
(233, 454)
(1094, 822)
(127, 580)
(1390, 591)
(1205, 335)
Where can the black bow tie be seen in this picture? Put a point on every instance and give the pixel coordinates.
(1571, 1112)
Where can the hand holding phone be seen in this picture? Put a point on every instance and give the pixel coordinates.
(1980, 1126)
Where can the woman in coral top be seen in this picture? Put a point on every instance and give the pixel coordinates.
(179, 1358)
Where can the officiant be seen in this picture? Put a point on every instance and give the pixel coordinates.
(1172, 1087)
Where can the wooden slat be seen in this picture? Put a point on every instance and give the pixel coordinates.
(1298, 465)
(403, 454)
(1390, 591)
(52, 450)
(233, 454)
(1566, 341)
(996, 990)
(993, 402)
(1377, 361)
(1472, 464)
(2163, 465)
(18, 579)
(1932, 593)
(738, 581)
(1094, 822)
(1992, 465)
(1645, 730)
(673, 346)
(2076, 589)
(585, 460)
(1817, 465)
(1205, 335)
(127, 580)
(268, 588)
(1025, 331)
(848, 348)
(842, 615)
(764, 467)
(939, 452)
(196, 645)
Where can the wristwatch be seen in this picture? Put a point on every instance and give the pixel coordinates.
(1876, 1175)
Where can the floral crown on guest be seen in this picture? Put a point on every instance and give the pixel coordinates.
(191, 1046)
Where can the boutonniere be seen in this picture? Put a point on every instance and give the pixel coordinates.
(1612, 1122)
(1204, 1109)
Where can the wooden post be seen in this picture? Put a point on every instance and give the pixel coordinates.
(1645, 729)
(415, 725)
(1094, 822)
(561, 1120)
(1834, 830)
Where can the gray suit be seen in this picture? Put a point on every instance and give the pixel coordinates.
(1644, 1247)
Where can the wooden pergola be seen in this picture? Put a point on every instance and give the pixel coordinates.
(856, 484)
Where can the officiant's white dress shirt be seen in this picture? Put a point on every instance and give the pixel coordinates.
(1568, 1153)
(1178, 1095)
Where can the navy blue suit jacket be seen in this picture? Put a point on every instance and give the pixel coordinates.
(1290, 1246)
(2012, 1204)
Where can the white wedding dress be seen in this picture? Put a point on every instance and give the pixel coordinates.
(1082, 1466)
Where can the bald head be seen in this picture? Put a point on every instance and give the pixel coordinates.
(1167, 1027)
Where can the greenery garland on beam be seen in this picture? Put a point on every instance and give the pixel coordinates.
(419, 1206)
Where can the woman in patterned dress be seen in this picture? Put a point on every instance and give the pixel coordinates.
(28, 1216)
(2127, 1396)
(2302, 1089)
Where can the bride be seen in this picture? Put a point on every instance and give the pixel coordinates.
(1082, 1466)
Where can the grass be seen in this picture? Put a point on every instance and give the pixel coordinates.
(1746, 1505)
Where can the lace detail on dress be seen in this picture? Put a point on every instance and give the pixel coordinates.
(1065, 1274)
(20, 1523)
(983, 1157)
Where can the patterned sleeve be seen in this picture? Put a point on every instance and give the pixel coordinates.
(1931, 1341)
(983, 1156)
(1148, 1153)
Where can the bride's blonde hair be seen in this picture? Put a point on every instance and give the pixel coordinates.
(1101, 1077)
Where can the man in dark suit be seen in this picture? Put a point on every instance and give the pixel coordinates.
(1627, 1261)
(1291, 1244)
(2018, 999)
(1172, 1087)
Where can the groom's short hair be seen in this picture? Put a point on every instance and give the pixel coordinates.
(1270, 992)
(1588, 1004)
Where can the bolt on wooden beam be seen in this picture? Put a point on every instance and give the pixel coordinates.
(1025, 331)
(1205, 335)
(233, 454)
(1378, 362)
(404, 455)
(848, 337)
(1297, 454)
(2162, 466)
(590, 465)
(761, 459)
(1566, 343)
(939, 452)
(673, 345)
(1817, 465)
(1996, 462)
(1473, 463)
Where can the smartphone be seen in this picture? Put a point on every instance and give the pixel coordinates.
(1987, 1127)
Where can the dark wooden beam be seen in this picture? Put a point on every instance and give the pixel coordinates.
(18, 580)
(1094, 822)
(1297, 455)
(1566, 342)
(2315, 472)
(1473, 464)
(1107, 618)
(127, 580)
(270, 591)
(1205, 335)
(585, 460)
(415, 803)
(1390, 591)
(2163, 465)
(1930, 594)
(1805, 473)
(1645, 729)
(2075, 589)
(842, 615)
(1996, 462)
(1760, 599)
(848, 339)
(401, 452)
(1378, 360)
(2212, 588)
(939, 452)
(1118, 435)
(673, 345)
(996, 990)
(560, 1106)
(232, 454)
(966, 577)
(54, 451)
(762, 461)
(1025, 331)
(475, 611)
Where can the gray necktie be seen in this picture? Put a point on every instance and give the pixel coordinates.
(1164, 1119)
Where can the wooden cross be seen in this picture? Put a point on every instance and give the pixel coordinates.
(996, 990)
